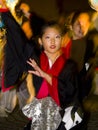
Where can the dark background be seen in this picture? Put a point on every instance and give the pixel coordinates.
(52, 8)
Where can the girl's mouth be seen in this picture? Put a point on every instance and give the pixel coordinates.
(52, 46)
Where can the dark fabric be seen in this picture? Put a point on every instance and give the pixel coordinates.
(61, 126)
(36, 23)
(90, 57)
(78, 51)
(37, 81)
(17, 51)
(28, 126)
(68, 84)
(91, 47)
(68, 88)
(80, 126)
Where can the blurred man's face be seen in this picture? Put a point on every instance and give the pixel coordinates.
(81, 25)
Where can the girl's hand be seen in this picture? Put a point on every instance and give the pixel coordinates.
(38, 71)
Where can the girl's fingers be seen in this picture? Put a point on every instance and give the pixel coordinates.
(37, 70)
(32, 63)
(34, 72)
(29, 62)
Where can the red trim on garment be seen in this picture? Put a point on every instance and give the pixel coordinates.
(47, 89)
(43, 92)
(4, 9)
(66, 50)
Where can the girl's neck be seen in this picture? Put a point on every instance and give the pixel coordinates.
(52, 57)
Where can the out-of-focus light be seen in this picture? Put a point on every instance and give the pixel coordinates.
(95, 20)
(93, 4)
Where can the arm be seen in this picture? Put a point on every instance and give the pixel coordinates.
(51, 80)
(39, 72)
(10, 4)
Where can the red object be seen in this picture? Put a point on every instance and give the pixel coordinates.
(47, 89)
(4, 9)
(67, 49)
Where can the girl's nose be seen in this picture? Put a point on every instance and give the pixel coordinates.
(52, 40)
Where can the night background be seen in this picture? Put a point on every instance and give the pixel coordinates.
(52, 8)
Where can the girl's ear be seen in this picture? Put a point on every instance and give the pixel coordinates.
(40, 41)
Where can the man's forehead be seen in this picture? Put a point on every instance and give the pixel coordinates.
(84, 17)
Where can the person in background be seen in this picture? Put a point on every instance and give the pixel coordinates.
(51, 97)
(75, 30)
(75, 43)
(23, 13)
(17, 50)
(90, 59)
(3, 41)
(91, 70)
(30, 21)
(2, 45)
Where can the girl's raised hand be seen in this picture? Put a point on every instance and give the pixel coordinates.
(37, 70)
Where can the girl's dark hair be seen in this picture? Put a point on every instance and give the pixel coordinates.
(36, 23)
(50, 24)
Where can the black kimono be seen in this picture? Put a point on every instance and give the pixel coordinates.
(69, 97)
(18, 50)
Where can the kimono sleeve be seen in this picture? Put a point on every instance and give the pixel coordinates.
(68, 84)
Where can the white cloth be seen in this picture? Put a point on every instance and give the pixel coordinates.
(67, 119)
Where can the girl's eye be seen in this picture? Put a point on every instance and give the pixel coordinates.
(47, 37)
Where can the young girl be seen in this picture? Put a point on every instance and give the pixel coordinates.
(46, 105)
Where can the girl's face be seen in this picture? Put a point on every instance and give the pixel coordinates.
(51, 40)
